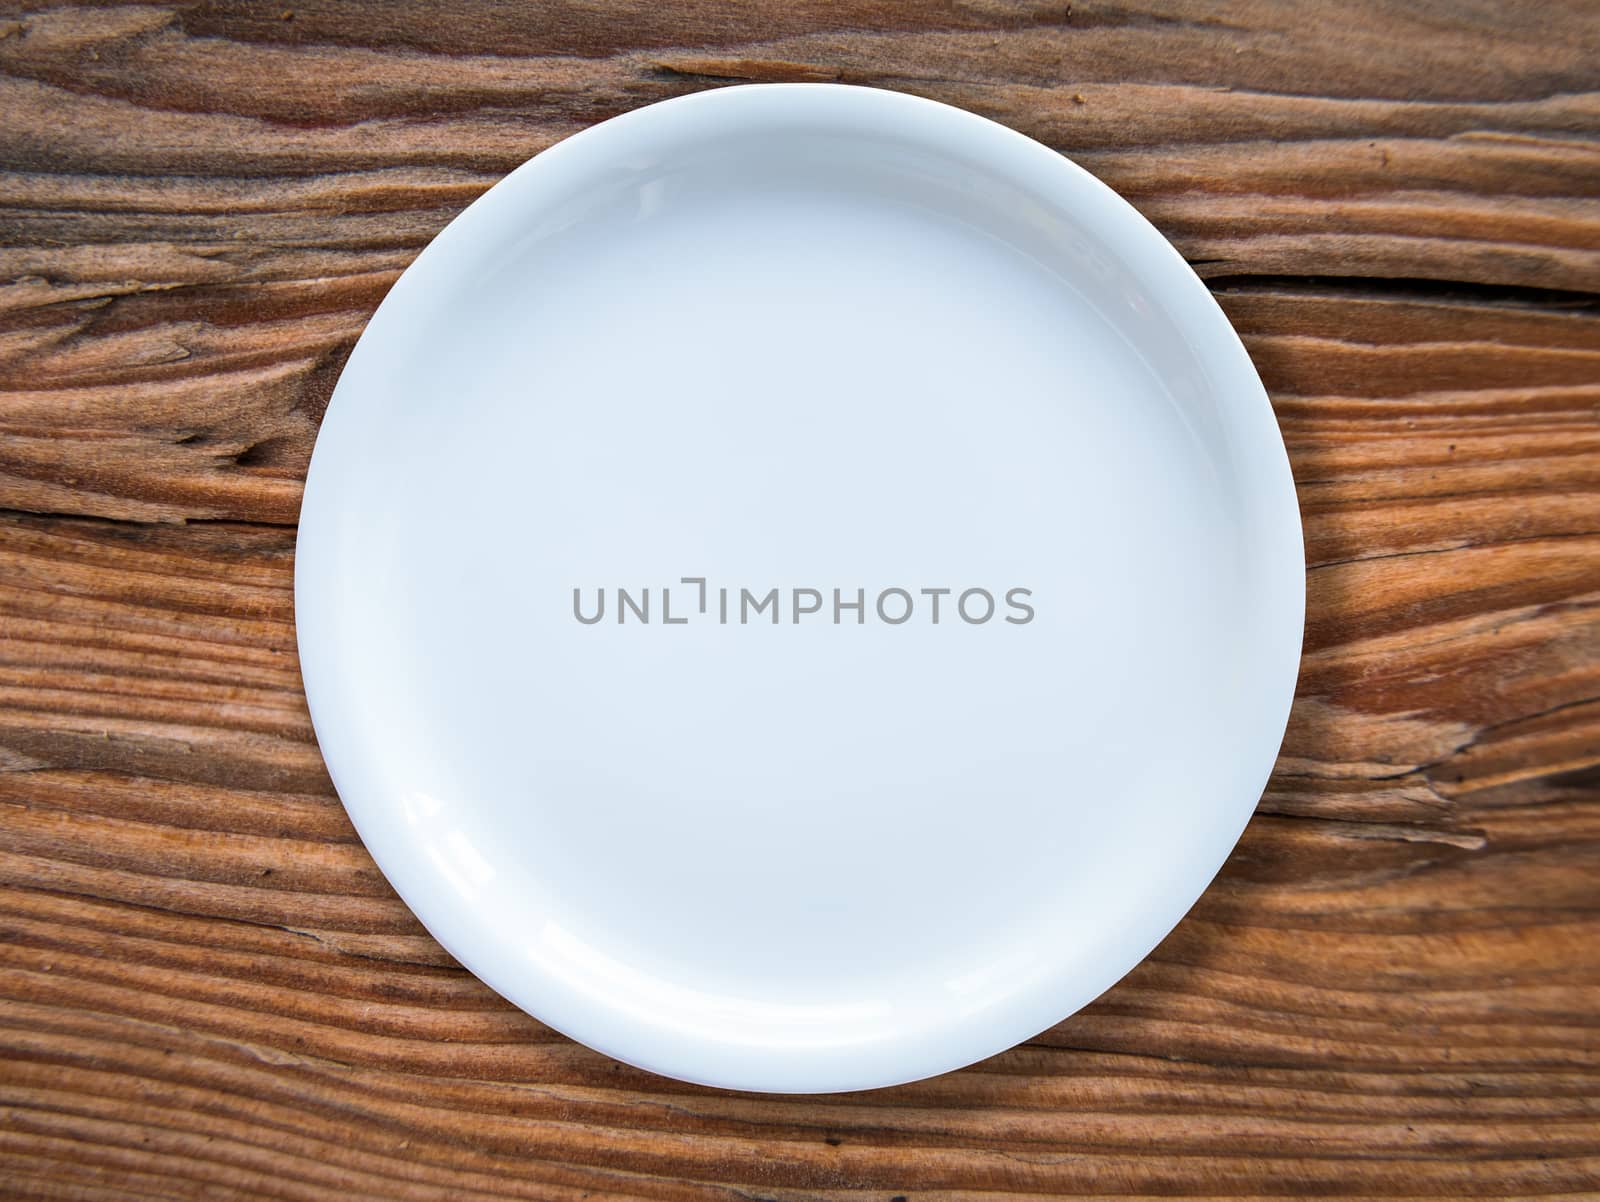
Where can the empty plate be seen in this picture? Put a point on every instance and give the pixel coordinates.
(799, 587)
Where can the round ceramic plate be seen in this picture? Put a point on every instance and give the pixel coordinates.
(799, 587)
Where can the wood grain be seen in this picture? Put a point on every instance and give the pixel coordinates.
(207, 989)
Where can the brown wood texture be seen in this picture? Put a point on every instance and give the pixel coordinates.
(208, 991)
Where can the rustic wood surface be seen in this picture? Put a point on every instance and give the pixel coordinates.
(207, 989)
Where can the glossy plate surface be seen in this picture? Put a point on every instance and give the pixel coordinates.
(806, 338)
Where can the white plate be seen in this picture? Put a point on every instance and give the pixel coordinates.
(803, 338)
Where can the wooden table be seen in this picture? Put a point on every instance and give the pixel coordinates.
(206, 988)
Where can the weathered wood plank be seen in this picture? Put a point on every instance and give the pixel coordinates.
(136, 648)
(1392, 407)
